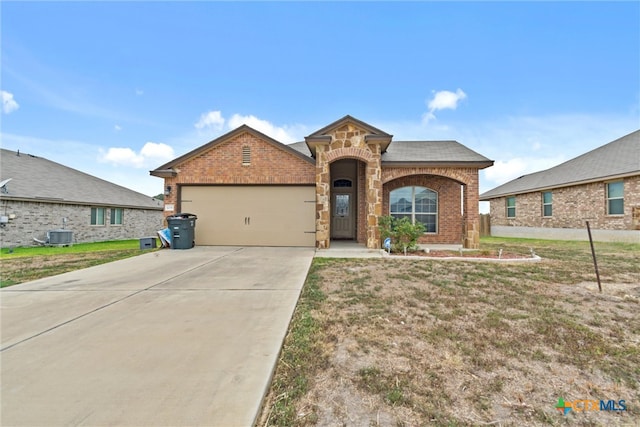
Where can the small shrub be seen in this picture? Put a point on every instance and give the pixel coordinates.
(403, 233)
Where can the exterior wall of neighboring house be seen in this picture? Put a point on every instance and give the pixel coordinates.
(223, 164)
(34, 219)
(571, 207)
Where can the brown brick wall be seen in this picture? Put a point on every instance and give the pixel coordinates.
(572, 206)
(450, 220)
(222, 164)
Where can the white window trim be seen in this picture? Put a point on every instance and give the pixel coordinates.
(547, 204)
(614, 198)
(413, 207)
(104, 217)
(507, 207)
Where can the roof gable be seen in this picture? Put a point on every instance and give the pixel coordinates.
(167, 168)
(38, 179)
(346, 120)
(616, 159)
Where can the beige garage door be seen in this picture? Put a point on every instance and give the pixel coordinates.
(252, 215)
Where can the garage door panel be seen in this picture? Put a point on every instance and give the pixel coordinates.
(252, 215)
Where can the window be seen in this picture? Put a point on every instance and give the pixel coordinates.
(246, 155)
(511, 207)
(116, 216)
(615, 198)
(547, 203)
(342, 183)
(97, 216)
(417, 203)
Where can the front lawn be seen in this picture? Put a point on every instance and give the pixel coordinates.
(29, 263)
(427, 342)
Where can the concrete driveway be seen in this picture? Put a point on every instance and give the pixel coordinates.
(169, 338)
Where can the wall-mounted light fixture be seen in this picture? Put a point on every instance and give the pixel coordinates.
(167, 191)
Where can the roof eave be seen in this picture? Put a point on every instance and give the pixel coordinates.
(163, 173)
(453, 163)
(485, 198)
(75, 202)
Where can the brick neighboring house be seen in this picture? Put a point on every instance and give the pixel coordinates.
(43, 195)
(601, 186)
(249, 189)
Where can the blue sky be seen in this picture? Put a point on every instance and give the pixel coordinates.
(116, 89)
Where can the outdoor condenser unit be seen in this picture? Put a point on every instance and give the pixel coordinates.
(60, 237)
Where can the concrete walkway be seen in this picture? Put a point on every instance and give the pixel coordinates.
(169, 338)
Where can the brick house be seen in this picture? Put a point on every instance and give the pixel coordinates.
(42, 196)
(249, 189)
(601, 186)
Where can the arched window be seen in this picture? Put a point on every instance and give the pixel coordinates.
(417, 203)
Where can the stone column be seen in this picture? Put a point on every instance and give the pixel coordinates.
(472, 215)
(373, 175)
(323, 198)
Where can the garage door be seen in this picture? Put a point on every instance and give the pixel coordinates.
(252, 215)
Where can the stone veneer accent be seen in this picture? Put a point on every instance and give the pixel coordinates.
(348, 142)
(34, 219)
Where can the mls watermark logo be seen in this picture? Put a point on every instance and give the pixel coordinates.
(583, 405)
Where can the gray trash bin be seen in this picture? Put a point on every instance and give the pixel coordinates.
(182, 227)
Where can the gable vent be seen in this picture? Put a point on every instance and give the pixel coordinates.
(246, 155)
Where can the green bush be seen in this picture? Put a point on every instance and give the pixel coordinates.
(404, 234)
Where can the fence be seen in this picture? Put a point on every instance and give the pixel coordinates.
(485, 225)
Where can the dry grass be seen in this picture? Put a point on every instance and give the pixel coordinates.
(428, 342)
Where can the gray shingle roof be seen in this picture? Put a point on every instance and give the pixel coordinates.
(425, 152)
(39, 179)
(615, 159)
(445, 152)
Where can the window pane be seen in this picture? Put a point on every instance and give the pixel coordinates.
(615, 189)
(616, 207)
(426, 200)
(342, 204)
(400, 200)
(116, 216)
(546, 197)
(429, 222)
(511, 212)
(547, 210)
(511, 202)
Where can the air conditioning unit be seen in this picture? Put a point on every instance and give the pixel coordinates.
(60, 237)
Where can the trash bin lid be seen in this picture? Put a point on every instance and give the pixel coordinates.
(183, 216)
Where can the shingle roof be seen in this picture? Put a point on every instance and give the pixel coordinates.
(615, 159)
(445, 152)
(39, 179)
(425, 152)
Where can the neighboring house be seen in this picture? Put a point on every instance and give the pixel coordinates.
(42, 195)
(601, 186)
(249, 189)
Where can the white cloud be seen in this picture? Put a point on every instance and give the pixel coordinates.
(149, 156)
(212, 119)
(281, 134)
(505, 170)
(443, 100)
(117, 128)
(139, 92)
(9, 105)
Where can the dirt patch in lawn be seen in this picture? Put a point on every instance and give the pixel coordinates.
(427, 342)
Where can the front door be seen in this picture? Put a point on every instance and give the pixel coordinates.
(342, 226)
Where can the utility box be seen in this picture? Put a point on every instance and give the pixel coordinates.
(182, 227)
(148, 243)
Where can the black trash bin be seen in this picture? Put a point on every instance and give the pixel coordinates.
(182, 227)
